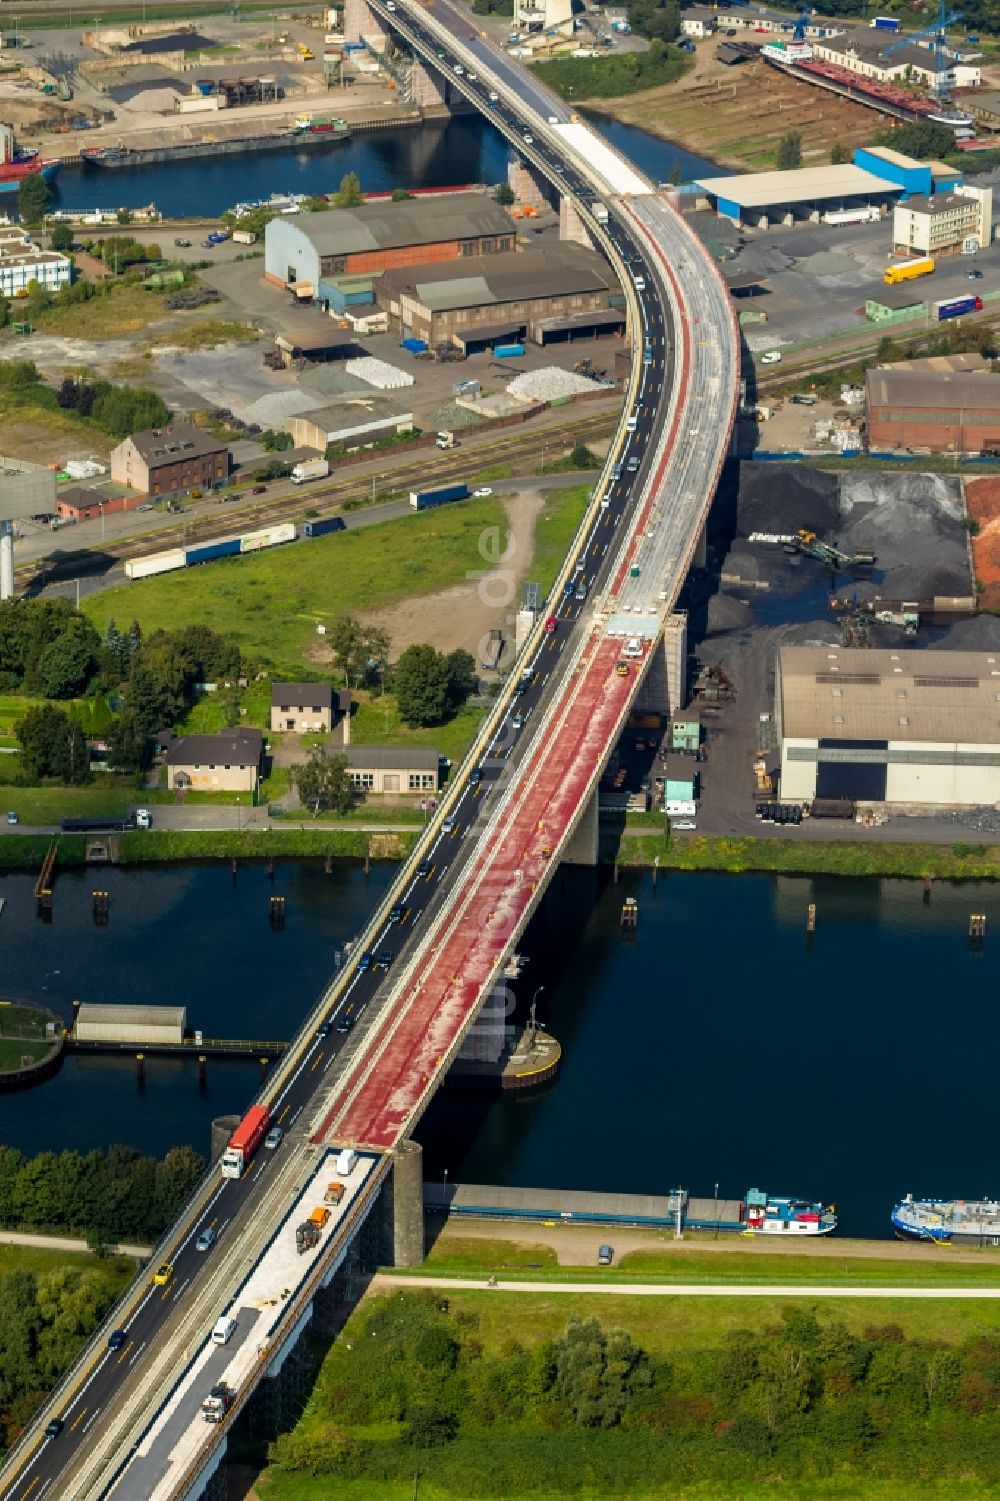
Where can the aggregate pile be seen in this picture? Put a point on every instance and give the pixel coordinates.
(551, 384)
(379, 373)
(983, 499)
(826, 263)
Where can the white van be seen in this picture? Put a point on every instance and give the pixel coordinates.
(224, 1330)
(632, 423)
(346, 1162)
(633, 647)
(640, 283)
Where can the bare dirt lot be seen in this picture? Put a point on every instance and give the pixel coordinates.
(463, 615)
(738, 115)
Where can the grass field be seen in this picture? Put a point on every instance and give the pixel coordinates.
(124, 309)
(611, 77)
(205, 335)
(958, 862)
(271, 603)
(452, 739)
(683, 1262)
(274, 1486)
(13, 1053)
(37, 1259)
(555, 529)
(106, 798)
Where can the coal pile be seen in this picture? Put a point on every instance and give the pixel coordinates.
(912, 522)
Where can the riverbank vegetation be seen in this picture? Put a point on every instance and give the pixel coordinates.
(960, 861)
(104, 1196)
(611, 77)
(489, 1395)
(50, 1304)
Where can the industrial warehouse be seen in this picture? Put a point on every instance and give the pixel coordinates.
(938, 410)
(883, 726)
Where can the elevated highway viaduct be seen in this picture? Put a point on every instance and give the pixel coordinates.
(379, 1040)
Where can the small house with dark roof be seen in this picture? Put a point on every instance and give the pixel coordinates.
(309, 709)
(228, 761)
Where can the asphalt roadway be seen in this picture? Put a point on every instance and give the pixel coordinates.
(114, 1393)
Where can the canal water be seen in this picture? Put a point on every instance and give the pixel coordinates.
(717, 1044)
(464, 150)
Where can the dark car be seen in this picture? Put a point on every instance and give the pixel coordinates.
(384, 960)
(116, 1339)
(365, 962)
(346, 1022)
(605, 1255)
(475, 777)
(397, 913)
(323, 1030)
(424, 868)
(259, 490)
(53, 1429)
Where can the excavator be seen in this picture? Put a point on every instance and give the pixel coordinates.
(811, 546)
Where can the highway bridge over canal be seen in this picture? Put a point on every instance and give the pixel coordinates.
(379, 1040)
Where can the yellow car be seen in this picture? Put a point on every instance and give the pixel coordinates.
(163, 1275)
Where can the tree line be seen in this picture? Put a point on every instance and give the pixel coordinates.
(116, 410)
(415, 1386)
(117, 1194)
(45, 1319)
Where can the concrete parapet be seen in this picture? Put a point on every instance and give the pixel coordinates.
(664, 688)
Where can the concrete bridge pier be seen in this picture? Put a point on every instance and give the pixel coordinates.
(664, 688)
(583, 845)
(428, 89)
(6, 560)
(571, 225)
(403, 1207)
(528, 185)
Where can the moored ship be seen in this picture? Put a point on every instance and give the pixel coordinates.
(766, 1215)
(17, 163)
(960, 1222)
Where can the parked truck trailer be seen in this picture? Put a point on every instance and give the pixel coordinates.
(422, 500)
(908, 270)
(954, 307)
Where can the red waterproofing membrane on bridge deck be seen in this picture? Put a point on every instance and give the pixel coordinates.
(642, 520)
(472, 936)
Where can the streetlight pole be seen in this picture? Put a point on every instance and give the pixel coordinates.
(716, 1211)
(446, 1190)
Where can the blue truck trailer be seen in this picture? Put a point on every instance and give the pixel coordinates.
(325, 524)
(207, 552)
(422, 500)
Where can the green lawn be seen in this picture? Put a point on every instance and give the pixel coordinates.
(92, 714)
(37, 1259)
(274, 1486)
(272, 602)
(611, 77)
(13, 1052)
(369, 727)
(961, 861)
(555, 529)
(105, 798)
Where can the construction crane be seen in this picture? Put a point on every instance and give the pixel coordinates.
(810, 546)
(799, 34)
(939, 32)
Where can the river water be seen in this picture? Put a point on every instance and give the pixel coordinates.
(717, 1044)
(465, 150)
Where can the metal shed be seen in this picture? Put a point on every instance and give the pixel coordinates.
(148, 1024)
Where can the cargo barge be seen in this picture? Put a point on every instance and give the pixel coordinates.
(798, 61)
(956, 1222)
(756, 1214)
(113, 157)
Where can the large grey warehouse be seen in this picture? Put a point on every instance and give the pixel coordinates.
(916, 727)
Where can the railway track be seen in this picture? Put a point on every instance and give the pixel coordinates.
(427, 468)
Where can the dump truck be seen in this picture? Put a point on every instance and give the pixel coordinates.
(908, 270)
(306, 1236)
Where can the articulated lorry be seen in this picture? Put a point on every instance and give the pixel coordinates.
(422, 500)
(245, 1140)
(217, 1403)
(908, 270)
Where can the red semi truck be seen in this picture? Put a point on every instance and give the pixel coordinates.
(245, 1140)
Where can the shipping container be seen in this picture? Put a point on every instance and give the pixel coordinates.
(508, 351)
(270, 536)
(954, 307)
(158, 562)
(422, 500)
(244, 237)
(207, 552)
(884, 23)
(326, 524)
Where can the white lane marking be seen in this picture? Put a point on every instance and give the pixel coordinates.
(91, 1419)
(138, 1352)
